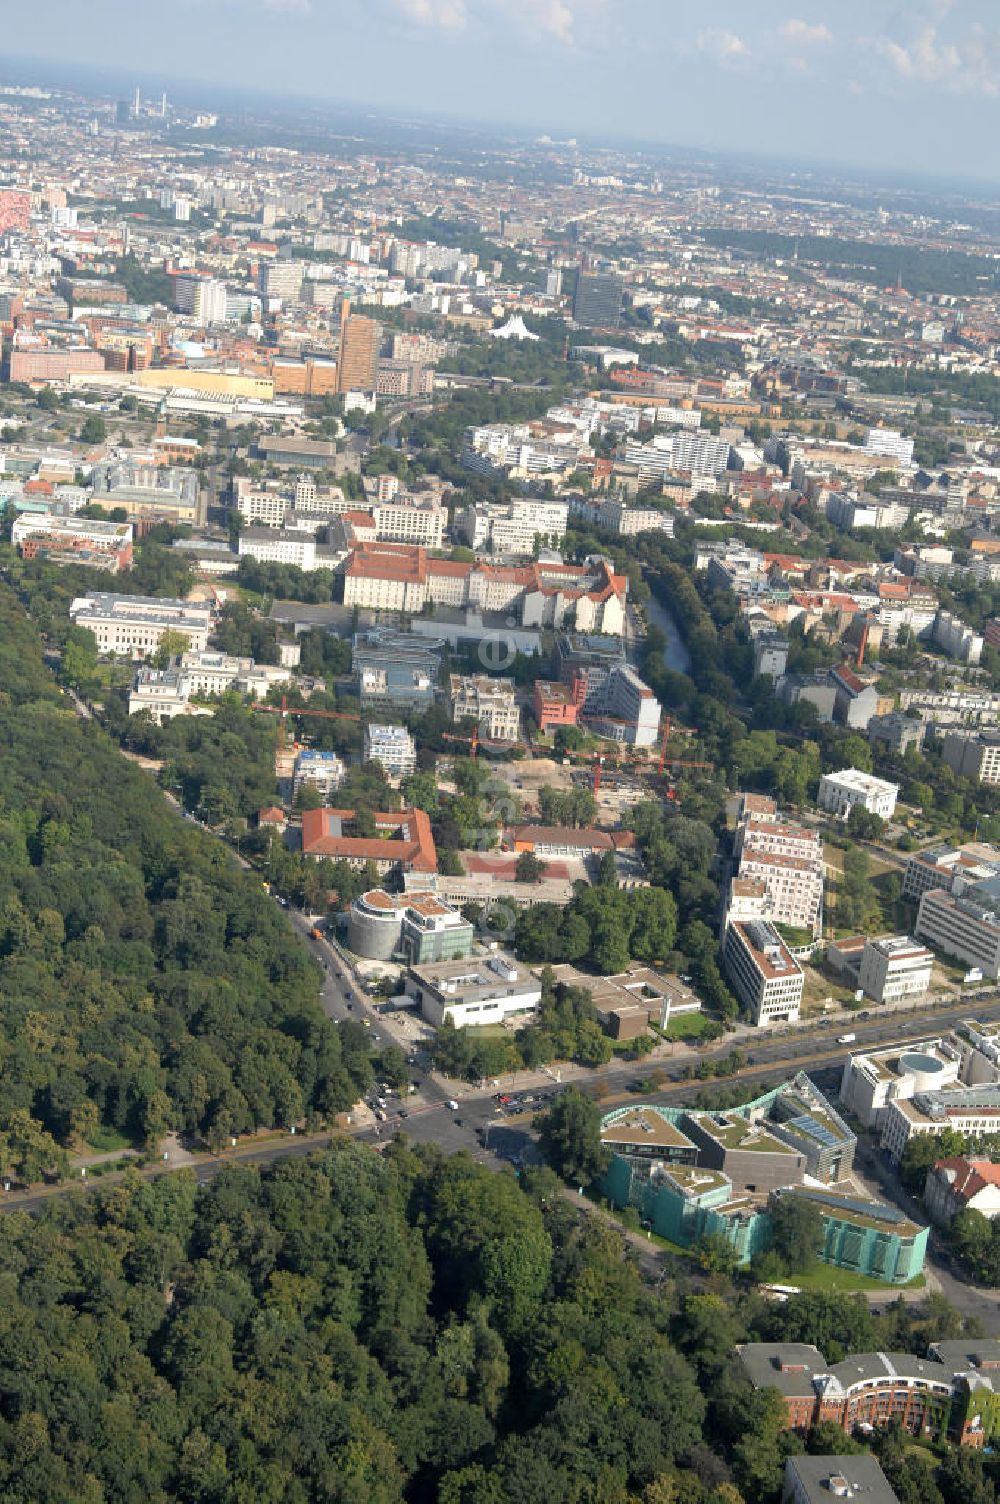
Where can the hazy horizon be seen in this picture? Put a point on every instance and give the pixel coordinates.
(871, 87)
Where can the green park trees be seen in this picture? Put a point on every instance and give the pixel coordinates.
(146, 982)
(570, 1136)
(601, 926)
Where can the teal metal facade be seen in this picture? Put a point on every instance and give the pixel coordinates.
(867, 1243)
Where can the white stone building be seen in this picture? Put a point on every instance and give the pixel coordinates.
(840, 792)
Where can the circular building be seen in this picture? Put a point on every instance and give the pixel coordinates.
(374, 925)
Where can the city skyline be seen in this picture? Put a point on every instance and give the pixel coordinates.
(879, 87)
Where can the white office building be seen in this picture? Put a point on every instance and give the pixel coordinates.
(840, 792)
(893, 968)
(473, 992)
(973, 1111)
(875, 1079)
(965, 928)
(952, 868)
(393, 747)
(764, 975)
(955, 638)
(133, 626)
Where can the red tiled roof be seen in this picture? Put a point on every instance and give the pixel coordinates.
(971, 1175)
(414, 847)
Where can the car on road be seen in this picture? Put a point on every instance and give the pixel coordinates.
(458, 1122)
(403, 1113)
(452, 1105)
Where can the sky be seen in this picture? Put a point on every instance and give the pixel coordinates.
(912, 86)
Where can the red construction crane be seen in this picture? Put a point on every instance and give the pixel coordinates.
(284, 711)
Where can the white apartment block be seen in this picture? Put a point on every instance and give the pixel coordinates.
(320, 501)
(973, 756)
(203, 298)
(515, 450)
(779, 839)
(628, 522)
(276, 545)
(956, 639)
(785, 861)
(628, 711)
(679, 451)
(268, 508)
(513, 527)
(421, 522)
(793, 888)
(966, 707)
(890, 444)
(764, 975)
(393, 747)
(840, 792)
(132, 626)
(323, 771)
(488, 702)
(893, 968)
(966, 929)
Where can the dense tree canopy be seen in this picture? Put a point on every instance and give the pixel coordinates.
(146, 982)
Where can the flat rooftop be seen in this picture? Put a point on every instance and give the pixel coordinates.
(852, 1477)
(861, 1213)
(644, 1125)
(695, 1180)
(739, 1133)
(860, 783)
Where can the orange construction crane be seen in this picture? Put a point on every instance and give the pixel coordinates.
(285, 711)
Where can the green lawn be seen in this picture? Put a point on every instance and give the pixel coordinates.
(105, 1140)
(488, 1031)
(689, 1026)
(827, 1277)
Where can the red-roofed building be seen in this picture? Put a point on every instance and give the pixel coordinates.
(403, 839)
(962, 1184)
(272, 818)
(402, 577)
